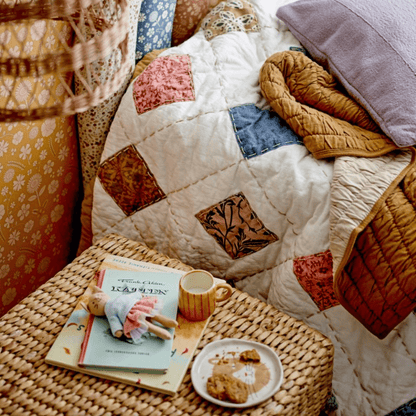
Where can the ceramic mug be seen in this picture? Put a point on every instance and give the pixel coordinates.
(198, 295)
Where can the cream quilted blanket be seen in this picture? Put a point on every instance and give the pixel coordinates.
(199, 166)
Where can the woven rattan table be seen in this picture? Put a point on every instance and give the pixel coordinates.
(29, 386)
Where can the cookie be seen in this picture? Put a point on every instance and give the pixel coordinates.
(250, 356)
(227, 388)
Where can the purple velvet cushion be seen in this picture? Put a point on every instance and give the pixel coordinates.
(370, 46)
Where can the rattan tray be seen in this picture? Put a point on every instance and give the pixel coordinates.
(29, 386)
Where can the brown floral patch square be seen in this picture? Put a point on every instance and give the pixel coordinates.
(128, 180)
(236, 227)
(230, 16)
(314, 273)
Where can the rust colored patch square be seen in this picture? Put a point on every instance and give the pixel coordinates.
(236, 227)
(314, 273)
(128, 180)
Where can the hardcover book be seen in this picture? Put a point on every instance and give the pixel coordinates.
(66, 349)
(100, 349)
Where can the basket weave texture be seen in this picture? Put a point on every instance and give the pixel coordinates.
(29, 386)
(99, 29)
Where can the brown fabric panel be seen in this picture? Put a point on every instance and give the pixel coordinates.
(317, 108)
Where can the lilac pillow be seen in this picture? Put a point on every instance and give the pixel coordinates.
(370, 47)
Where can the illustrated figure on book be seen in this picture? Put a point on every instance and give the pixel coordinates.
(130, 315)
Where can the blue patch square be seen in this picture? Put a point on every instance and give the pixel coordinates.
(407, 409)
(154, 28)
(260, 131)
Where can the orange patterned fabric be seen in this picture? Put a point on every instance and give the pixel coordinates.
(39, 181)
(314, 274)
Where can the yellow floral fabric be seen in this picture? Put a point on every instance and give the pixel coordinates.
(39, 173)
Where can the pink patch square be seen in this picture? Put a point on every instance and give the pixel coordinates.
(314, 273)
(168, 79)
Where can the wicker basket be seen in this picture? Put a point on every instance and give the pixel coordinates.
(29, 386)
(97, 29)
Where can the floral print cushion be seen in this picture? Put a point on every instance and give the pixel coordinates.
(155, 23)
(39, 174)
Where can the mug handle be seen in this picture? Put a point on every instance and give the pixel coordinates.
(225, 295)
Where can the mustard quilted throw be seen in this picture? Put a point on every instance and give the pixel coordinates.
(374, 261)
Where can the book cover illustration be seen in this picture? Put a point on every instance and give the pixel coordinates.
(101, 349)
(67, 347)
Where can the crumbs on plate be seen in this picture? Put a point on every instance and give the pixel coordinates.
(226, 387)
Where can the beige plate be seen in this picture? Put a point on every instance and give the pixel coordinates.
(266, 379)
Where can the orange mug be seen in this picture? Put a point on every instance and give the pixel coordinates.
(198, 295)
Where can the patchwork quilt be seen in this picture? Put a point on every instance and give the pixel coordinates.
(199, 166)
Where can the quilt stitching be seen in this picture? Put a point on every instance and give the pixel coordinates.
(269, 200)
(389, 266)
(354, 369)
(359, 294)
(364, 190)
(363, 302)
(407, 251)
(397, 282)
(182, 120)
(225, 99)
(120, 221)
(208, 176)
